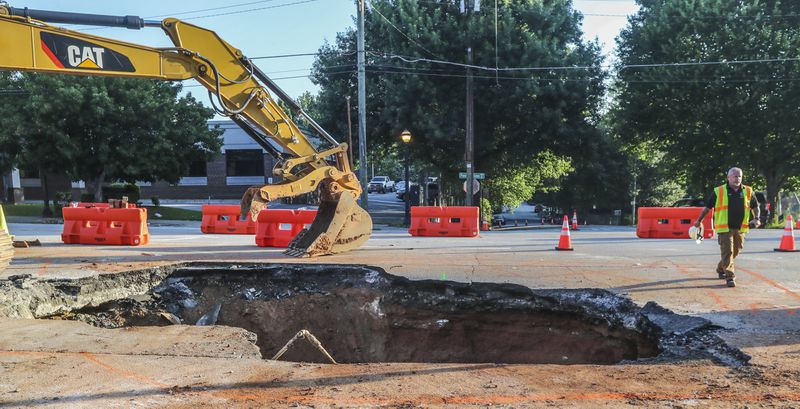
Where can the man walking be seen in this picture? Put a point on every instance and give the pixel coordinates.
(732, 204)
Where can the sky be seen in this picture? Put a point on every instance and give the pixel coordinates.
(280, 27)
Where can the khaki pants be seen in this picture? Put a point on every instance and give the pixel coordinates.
(730, 244)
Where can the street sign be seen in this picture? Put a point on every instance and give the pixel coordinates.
(476, 186)
(476, 175)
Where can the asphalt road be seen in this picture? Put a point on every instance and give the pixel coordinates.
(679, 274)
(385, 208)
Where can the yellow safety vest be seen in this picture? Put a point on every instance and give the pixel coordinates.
(721, 209)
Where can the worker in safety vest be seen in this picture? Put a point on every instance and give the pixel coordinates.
(732, 204)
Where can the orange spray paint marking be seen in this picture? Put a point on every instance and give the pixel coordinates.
(772, 283)
(128, 374)
(41, 269)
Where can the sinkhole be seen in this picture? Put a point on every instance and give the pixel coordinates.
(362, 314)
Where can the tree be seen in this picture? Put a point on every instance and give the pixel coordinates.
(519, 185)
(9, 98)
(518, 114)
(99, 129)
(710, 117)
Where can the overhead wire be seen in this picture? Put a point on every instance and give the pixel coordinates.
(210, 9)
(400, 31)
(249, 10)
(399, 70)
(92, 28)
(586, 67)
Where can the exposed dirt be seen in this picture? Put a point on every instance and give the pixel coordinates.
(178, 366)
(362, 314)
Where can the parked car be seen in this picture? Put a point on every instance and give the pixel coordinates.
(381, 184)
(400, 189)
(689, 202)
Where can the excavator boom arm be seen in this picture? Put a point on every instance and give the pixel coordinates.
(237, 89)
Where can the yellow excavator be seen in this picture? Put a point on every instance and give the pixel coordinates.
(237, 88)
(6, 243)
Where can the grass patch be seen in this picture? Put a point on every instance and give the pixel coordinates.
(172, 213)
(23, 209)
(167, 213)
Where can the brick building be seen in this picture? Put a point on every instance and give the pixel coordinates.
(243, 163)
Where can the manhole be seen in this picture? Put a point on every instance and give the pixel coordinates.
(362, 314)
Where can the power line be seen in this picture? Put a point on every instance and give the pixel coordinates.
(299, 55)
(92, 28)
(210, 9)
(413, 60)
(249, 10)
(706, 17)
(538, 79)
(282, 56)
(398, 70)
(401, 31)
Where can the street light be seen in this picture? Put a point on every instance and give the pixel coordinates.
(405, 136)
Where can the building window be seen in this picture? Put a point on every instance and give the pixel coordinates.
(244, 162)
(29, 173)
(197, 168)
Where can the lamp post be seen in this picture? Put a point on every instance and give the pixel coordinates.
(405, 136)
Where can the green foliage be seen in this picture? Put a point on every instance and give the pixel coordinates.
(118, 190)
(97, 129)
(517, 114)
(656, 185)
(486, 210)
(389, 163)
(513, 187)
(708, 118)
(156, 201)
(61, 201)
(23, 209)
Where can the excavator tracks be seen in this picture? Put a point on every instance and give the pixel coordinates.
(6, 250)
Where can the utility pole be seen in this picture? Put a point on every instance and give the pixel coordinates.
(469, 6)
(350, 133)
(470, 151)
(633, 202)
(362, 109)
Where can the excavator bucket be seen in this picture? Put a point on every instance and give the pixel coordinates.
(339, 226)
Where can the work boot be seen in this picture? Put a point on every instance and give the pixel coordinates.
(730, 282)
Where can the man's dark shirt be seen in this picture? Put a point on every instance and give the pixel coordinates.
(735, 205)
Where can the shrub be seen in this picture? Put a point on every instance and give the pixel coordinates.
(156, 201)
(118, 190)
(61, 201)
(486, 210)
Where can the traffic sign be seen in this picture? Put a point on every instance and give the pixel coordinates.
(476, 186)
(476, 175)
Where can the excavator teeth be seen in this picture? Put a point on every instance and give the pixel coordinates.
(292, 252)
(339, 226)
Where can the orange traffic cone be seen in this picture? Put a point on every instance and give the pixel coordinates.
(575, 221)
(565, 243)
(787, 241)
